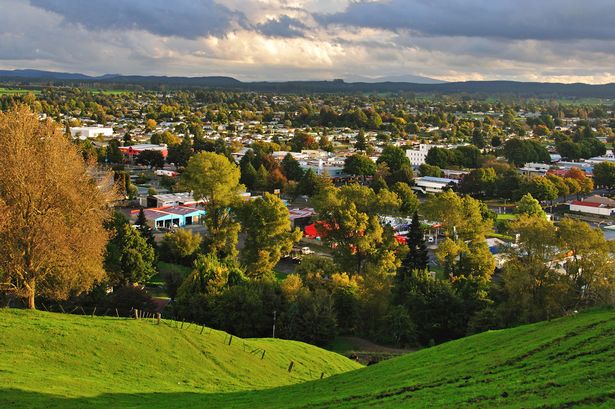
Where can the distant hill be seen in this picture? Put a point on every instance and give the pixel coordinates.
(422, 85)
(52, 360)
(415, 79)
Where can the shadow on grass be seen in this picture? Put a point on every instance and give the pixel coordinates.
(16, 398)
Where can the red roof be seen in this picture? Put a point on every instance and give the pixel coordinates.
(587, 204)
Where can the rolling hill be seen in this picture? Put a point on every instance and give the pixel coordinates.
(568, 362)
(83, 357)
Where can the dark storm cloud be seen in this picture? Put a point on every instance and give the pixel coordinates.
(283, 26)
(180, 18)
(508, 19)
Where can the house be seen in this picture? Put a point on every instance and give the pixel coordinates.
(173, 216)
(594, 205)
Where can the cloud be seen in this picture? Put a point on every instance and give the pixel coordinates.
(308, 39)
(283, 26)
(181, 18)
(507, 19)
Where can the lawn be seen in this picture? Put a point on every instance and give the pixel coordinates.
(17, 91)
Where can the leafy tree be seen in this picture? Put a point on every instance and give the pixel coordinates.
(438, 157)
(409, 200)
(181, 153)
(311, 318)
(302, 140)
(181, 246)
(130, 258)
(213, 178)
(541, 188)
(535, 291)
(266, 223)
(430, 170)
(359, 165)
(114, 154)
(167, 138)
(51, 232)
(434, 307)
(530, 207)
(348, 222)
(394, 157)
(461, 217)
(153, 159)
(591, 269)
(479, 182)
(292, 168)
(604, 175)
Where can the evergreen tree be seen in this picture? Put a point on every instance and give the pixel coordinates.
(248, 175)
(292, 169)
(361, 142)
(144, 228)
(417, 251)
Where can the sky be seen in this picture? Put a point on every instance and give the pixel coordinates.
(277, 40)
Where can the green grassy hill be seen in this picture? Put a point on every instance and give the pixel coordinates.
(78, 357)
(569, 362)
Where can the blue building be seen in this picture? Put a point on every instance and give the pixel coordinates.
(173, 216)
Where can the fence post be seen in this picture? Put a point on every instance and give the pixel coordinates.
(136, 314)
(158, 318)
(94, 312)
(117, 313)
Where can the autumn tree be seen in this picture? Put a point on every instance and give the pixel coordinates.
(214, 179)
(52, 233)
(269, 236)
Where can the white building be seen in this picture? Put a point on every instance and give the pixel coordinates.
(417, 156)
(430, 184)
(535, 169)
(85, 132)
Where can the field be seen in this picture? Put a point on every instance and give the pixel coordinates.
(16, 91)
(568, 362)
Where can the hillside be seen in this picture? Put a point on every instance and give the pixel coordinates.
(82, 357)
(568, 362)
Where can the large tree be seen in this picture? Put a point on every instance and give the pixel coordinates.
(213, 178)
(51, 234)
(269, 235)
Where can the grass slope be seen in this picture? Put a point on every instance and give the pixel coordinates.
(47, 356)
(564, 363)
